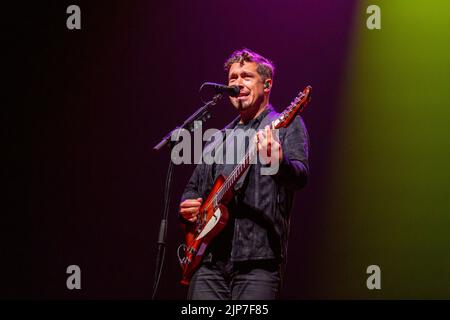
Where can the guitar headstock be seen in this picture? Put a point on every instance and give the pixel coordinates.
(296, 106)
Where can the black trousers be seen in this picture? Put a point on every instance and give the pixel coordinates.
(250, 280)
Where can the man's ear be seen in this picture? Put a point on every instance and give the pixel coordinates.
(267, 85)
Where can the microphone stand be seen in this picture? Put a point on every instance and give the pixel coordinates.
(202, 114)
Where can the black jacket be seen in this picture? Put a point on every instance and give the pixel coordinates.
(260, 210)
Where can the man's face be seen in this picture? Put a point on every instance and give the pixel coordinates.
(250, 83)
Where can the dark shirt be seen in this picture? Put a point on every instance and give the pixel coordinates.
(259, 211)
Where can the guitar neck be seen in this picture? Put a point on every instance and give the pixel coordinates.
(283, 120)
(239, 170)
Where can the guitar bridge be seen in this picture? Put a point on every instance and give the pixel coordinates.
(185, 249)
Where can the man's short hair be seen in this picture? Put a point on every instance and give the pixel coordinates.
(265, 67)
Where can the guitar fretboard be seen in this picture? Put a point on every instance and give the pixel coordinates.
(237, 172)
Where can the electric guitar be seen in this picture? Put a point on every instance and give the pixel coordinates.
(213, 214)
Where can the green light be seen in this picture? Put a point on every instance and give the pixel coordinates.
(389, 200)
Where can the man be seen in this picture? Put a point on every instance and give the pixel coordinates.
(245, 261)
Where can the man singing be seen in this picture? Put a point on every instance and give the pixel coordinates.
(246, 259)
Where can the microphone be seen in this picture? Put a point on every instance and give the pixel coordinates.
(232, 91)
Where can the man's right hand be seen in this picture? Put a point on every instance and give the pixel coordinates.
(189, 209)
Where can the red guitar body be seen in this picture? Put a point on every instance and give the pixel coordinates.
(211, 220)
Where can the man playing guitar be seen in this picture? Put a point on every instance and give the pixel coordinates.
(246, 258)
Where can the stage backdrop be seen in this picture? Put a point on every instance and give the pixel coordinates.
(85, 188)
